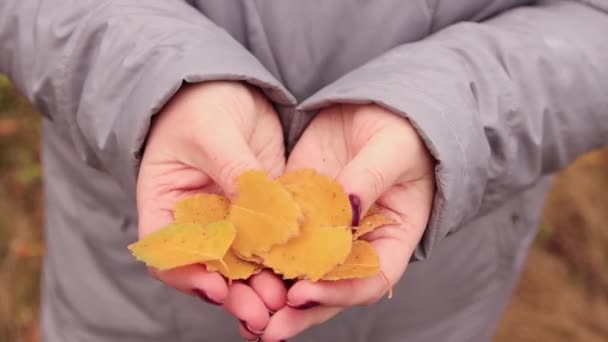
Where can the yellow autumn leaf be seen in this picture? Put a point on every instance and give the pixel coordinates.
(201, 208)
(370, 222)
(184, 244)
(254, 259)
(316, 251)
(264, 214)
(233, 267)
(373, 209)
(361, 262)
(325, 236)
(299, 226)
(322, 200)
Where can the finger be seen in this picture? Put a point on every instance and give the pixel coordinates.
(393, 253)
(247, 307)
(411, 204)
(194, 279)
(246, 334)
(377, 166)
(289, 322)
(270, 289)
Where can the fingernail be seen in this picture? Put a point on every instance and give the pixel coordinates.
(307, 305)
(202, 295)
(355, 204)
(251, 331)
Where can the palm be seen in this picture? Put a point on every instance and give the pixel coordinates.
(337, 136)
(171, 172)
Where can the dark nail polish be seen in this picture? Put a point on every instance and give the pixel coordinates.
(251, 331)
(202, 295)
(355, 204)
(307, 305)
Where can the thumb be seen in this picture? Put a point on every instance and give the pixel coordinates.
(375, 168)
(225, 155)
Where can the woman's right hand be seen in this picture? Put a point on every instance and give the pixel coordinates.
(206, 136)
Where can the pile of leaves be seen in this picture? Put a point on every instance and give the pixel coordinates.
(300, 226)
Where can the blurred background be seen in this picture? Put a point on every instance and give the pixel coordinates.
(562, 295)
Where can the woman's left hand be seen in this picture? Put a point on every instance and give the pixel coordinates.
(377, 156)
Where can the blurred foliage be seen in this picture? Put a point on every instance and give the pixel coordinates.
(20, 216)
(562, 295)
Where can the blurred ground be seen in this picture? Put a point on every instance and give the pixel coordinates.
(562, 295)
(563, 292)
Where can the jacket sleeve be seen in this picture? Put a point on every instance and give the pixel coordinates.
(100, 69)
(499, 103)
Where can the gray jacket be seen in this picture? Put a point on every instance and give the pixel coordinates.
(504, 93)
